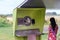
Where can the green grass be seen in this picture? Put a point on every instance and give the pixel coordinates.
(6, 33)
(3, 24)
(44, 37)
(6, 30)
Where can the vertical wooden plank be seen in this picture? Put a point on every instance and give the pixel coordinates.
(32, 37)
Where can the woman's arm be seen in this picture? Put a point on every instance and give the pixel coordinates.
(56, 29)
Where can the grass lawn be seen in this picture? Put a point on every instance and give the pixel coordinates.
(6, 29)
(6, 33)
(44, 37)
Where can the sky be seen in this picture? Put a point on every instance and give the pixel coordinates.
(7, 6)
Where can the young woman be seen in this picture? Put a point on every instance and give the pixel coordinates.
(53, 28)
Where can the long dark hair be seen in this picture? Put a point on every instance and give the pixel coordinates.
(53, 22)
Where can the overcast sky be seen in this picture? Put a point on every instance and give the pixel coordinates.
(7, 6)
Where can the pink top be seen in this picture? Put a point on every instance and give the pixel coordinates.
(52, 34)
